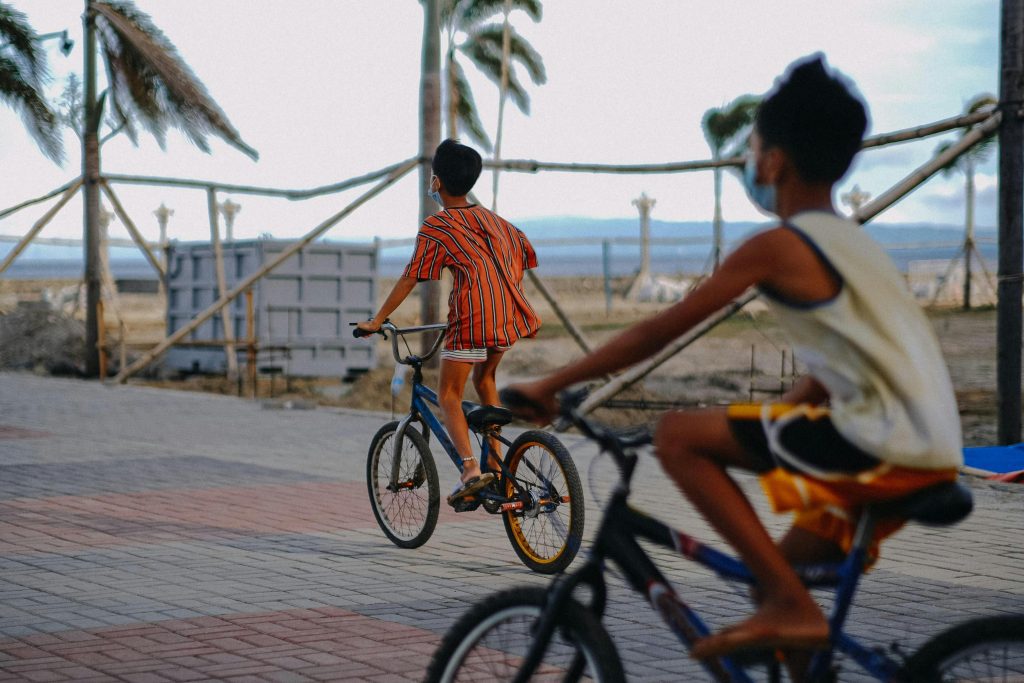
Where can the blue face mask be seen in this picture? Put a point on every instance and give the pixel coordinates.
(762, 195)
(434, 194)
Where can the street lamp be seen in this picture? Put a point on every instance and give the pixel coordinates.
(66, 44)
(229, 209)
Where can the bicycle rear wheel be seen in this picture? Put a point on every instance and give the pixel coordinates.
(546, 534)
(489, 642)
(987, 649)
(406, 508)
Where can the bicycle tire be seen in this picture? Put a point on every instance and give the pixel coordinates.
(545, 541)
(408, 514)
(986, 648)
(488, 642)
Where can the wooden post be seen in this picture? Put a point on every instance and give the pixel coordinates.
(218, 262)
(101, 339)
(250, 333)
(91, 192)
(1011, 222)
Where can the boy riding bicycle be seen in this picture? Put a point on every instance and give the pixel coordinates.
(875, 417)
(487, 310)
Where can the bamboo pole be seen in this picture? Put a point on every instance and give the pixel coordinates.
(253, 189)
(928, 169)
(77, 182)
(69, 192)
(218, 266)
(570, 326)
(136, 236)
(287, 253)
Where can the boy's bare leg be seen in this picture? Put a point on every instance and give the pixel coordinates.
(449, 398)
(487, 390)
(695, 447)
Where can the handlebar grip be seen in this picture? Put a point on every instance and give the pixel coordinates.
(359, 333)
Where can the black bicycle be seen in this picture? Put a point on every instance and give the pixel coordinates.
(532, 633)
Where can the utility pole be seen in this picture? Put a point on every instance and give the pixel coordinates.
(91, 193)
(1011, 221)
(430, 138)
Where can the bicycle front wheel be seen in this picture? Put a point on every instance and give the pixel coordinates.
(489, 642)
(546, 533)
(987, 649)
(403, 487)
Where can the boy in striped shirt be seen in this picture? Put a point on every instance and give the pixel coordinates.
(487, 310)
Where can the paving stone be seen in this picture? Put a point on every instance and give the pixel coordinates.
(153, 535)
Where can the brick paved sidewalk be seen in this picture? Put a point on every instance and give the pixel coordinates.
(151, 535)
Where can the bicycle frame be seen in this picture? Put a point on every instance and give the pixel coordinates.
(616, 540)
(422, 398)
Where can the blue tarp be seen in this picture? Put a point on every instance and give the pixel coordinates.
(999, 459)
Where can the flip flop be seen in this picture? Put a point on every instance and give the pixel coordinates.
(471, 486)
(738, 638)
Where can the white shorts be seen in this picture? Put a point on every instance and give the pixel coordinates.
(470, 355)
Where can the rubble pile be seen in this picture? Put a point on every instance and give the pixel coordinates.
(35, 337)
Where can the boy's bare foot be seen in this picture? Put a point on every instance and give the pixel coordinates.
(785, 625)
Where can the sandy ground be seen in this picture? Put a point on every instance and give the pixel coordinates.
(744, 357)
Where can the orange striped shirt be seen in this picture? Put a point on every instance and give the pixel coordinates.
(487, 256)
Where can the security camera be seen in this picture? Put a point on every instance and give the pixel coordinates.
(66, 44)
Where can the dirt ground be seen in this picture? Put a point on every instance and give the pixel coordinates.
(745, 356)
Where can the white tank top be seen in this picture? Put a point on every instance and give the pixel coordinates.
(874, 350)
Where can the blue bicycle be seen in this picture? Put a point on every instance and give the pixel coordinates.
(537, 490)
(532, 633)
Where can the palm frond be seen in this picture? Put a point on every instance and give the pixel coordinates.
(24, 98)
(149, 79)
(465, 108)
(490, 38)
(470, 13)
(725, 125)
(21, 45)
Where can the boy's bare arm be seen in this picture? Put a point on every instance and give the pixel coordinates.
(402, 287)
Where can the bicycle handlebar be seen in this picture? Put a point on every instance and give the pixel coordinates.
(397, 332)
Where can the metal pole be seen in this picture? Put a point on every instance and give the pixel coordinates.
(430, 138)
(1011, 222)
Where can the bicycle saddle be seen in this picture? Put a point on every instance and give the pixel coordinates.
(479, 416)
(938, 505)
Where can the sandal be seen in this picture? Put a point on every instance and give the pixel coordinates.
(471, 486)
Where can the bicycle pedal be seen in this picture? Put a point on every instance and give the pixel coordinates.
(466, 504)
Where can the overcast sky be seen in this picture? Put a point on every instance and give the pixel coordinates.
(329, 89)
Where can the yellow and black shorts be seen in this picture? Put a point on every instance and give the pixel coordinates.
(813, 471)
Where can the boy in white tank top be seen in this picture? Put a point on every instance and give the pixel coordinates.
(874, 417)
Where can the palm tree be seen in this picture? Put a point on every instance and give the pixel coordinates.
(967, 163)
(469, 32)
(22, 75)
(726, 127)
(148, 83)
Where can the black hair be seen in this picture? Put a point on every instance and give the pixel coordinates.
(814, 116)
(457, 166)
